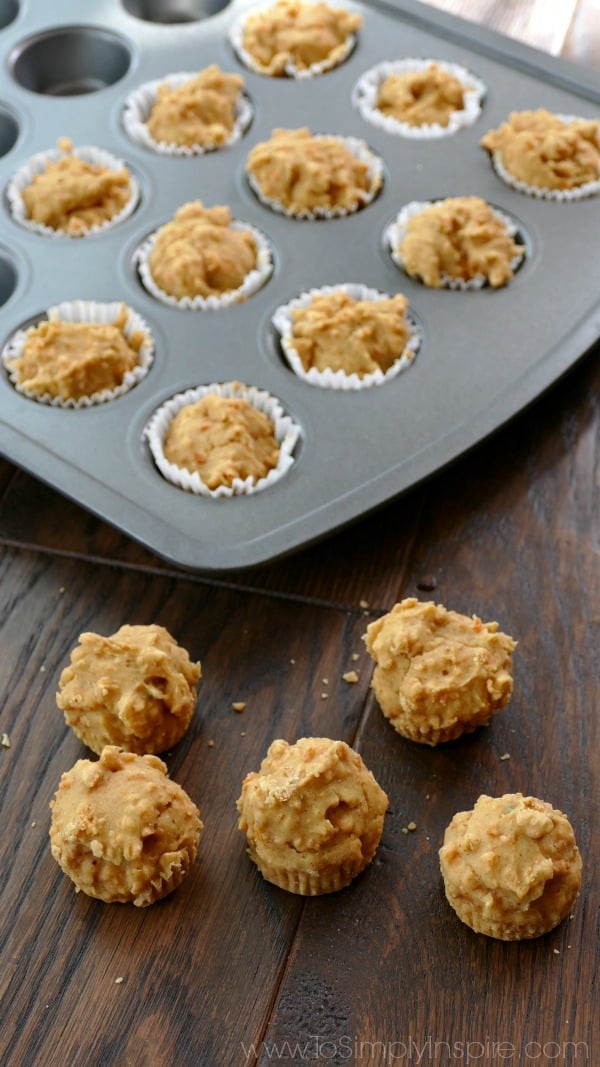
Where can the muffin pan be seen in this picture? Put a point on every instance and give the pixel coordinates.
(484, 355)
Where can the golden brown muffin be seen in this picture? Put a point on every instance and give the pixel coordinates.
(421, 97)
(313, 815)
(199, 253)
(337, 332)
(72, 195)
(222, 438)
(72, 360)
(292, 34)
(122, 830)
(202, 111)
(511, 867)
(439, 674)
(135, 689)
(545, 151)
(305, 173)
(458, 238)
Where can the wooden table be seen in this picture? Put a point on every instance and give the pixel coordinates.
(230, 970)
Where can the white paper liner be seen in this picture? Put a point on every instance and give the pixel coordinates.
(254, 280)
(236, 35)
(38, 163)
(286, 433)
(140, 102)
(86, 311)
(329, 379)
(362, 152)
(395, 233)
(366, 90)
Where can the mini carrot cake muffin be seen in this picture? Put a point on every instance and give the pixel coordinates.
(122, 830)
(188, 113)
(83, 353)
(203, 258)
(71, 191)
(135, 689)
(546, 154)
(438, 674)
(511, 867)
(460, 242)
(313, 815)
(347, 335)
(295, 38)
(308, 175)
(222, 440)
(421, 97)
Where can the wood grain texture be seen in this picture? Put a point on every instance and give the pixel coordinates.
(543, 24)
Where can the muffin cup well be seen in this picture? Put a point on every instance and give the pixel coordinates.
(395, 233)
(366, 90)
(329, 379)
(285, 430)
(254, 280)
(561, 195)
(38, 163)
(140, 102)
(236, 37)
(92, 312)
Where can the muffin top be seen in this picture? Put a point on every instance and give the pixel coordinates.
(421, 97)
(293, 36)
(201, 111)
(511, 866)
(545, 151)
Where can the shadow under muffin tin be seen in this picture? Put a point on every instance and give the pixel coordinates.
(484, 355)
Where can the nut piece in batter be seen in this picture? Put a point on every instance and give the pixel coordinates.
(72, 195)
(438, 674)
(305, 173)
(122, 830)
(71, 360)
(313, 815)
(458, 238)
(545, 151)
(511, 867)
(135, 689)
(198, 253)
(294, 36)
(421, 97)
(222, 438)
(202, 111)
(337, 332)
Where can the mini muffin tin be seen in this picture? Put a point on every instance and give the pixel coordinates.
(484, 354)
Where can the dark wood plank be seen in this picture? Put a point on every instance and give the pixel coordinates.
(200, 968)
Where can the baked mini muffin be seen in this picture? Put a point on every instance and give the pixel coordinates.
(295, 38)
(82, 353)
(311, 175)
(122, 830)
(547, 154)
(511, 867)
(72, 191)
(203, 258)
(187, 114)
(313, 815)
(457, 242)
(438, 674)
(135, 689)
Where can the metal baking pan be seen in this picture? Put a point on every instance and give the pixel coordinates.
(485, 355)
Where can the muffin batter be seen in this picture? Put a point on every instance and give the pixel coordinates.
(298, 34)
(540, 149)
(200, 112)
(421, 97)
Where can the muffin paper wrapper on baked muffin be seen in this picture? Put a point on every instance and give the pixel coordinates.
(286, 433)
(140, 102)
(254, 280)
(329, 379)
(86, 311)
(236, 35)
(366, 90)
(306, 883)
(38, 163)
(564, 195)
(395, 233)
(361, 151)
